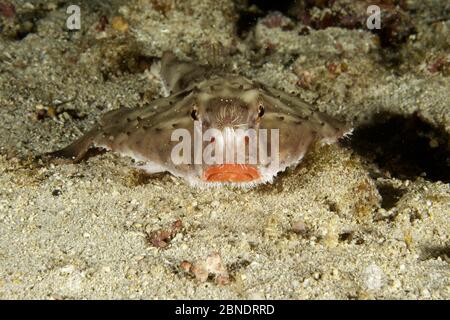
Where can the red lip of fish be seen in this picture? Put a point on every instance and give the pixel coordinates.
(231, 173)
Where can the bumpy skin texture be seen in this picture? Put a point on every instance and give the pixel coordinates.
(219, 100)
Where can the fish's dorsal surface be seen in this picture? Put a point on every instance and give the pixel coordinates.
(242, 113)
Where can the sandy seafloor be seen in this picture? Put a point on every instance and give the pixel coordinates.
(344, 224)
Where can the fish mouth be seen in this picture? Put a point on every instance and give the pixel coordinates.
(231, 173)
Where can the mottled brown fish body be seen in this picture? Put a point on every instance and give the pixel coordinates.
(217, 101)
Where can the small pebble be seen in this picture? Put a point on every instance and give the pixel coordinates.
(434, 143)
(299, 227)
(120, 24)
(185, 266)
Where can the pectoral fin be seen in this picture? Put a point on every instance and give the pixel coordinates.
(76, 151)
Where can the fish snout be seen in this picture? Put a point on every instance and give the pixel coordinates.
(238, 159)
(231, 172)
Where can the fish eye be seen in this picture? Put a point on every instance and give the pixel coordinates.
(194, 114)
(260, 111)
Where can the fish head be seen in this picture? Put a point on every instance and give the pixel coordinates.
(250, 134)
